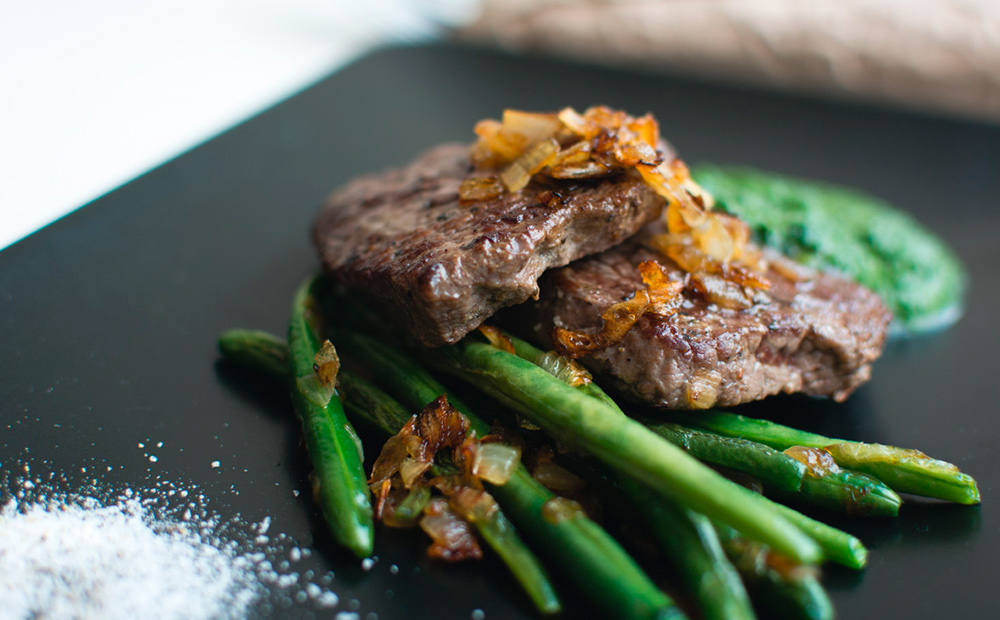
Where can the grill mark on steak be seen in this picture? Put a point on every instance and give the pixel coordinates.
(818, 336)
(403, 242)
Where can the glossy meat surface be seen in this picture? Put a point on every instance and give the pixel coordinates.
(403, 241)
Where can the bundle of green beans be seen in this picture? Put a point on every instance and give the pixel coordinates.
(587, 556)
(903, 470)
(714, 531)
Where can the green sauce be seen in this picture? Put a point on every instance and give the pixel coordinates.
(837, 229)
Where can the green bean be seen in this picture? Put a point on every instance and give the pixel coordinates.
(773, 468)
(688, 538)
(340, 484)
(589, 558)
(837, 546)
(849, 492)
(545, 359)
(907, 471)
(256, 349)
(780, 590)
(266, 353)
(903, 470)
(692, 546)
(621, 443)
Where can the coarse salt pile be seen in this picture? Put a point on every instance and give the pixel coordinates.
(80, 558)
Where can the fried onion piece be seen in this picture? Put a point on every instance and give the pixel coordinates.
(497, 338)
(720, 291)
(603, 141)
(404, 475)
(728, 285)
(566, 370)
(664, 293)
(660, 296)
(453, 538)
(327, 364)
(618, 319)
(479, 188)
(818, 461)
(437, 426)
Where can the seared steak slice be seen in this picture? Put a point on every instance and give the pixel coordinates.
(817, 336)
(402, 240)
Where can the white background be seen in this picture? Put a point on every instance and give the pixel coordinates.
(95, 92)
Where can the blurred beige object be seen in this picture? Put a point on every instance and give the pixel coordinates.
(931, 54)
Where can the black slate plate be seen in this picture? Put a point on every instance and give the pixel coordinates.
(108, 317)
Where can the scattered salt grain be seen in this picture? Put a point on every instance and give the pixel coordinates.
(121, 554)
(85, 559)
(478, 614)
(327, 600)
(216, 464)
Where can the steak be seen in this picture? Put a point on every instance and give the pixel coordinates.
(404, 242)
(817, 334)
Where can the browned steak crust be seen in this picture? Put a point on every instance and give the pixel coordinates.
(818, 336)
(402, 240)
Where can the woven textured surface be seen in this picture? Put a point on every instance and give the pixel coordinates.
(936, 55)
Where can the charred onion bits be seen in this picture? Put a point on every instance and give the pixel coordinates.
(710, 247)
(409, 467)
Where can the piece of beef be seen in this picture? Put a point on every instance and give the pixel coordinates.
(402, 240)
(817, 336)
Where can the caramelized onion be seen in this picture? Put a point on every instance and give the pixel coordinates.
(402, 489)
(702, 389)
(566, 370)
(818, 461)
(452, 536)
(559, 508)
(618, 319)
(711, 246)
(497, 338)
(480, 188)
(660, 296)
(556, 478)
(664, 293)
(520, 171)
(410, 452)
(473, 505)
(720, 292)
(495, 462)
(327, 364)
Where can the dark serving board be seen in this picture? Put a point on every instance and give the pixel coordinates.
(108, 317)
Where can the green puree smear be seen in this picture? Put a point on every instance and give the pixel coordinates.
(838, 229)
